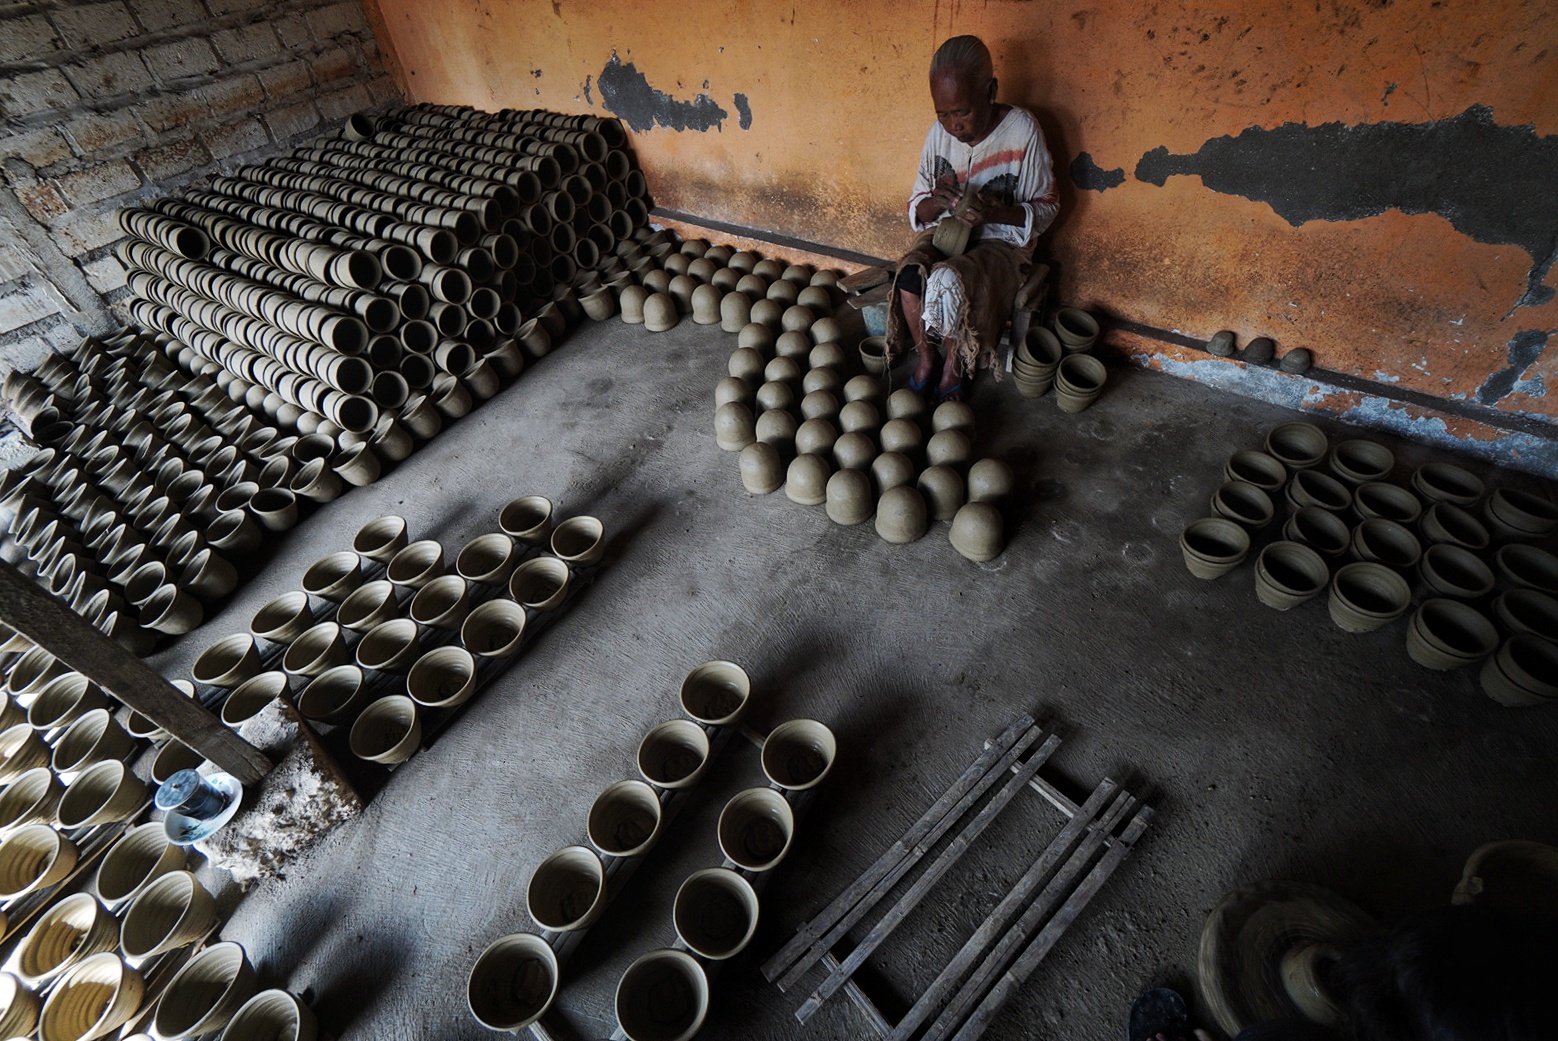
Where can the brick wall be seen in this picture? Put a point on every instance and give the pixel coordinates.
(102, 104)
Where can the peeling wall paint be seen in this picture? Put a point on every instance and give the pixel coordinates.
(1362, 180)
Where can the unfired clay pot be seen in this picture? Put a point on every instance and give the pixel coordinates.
(715, 693)
(943, 491)
(901, 516)
(512, 984)
(624, 820)
(806, 480)
(173, 911)
(762, 471)
(797, 755)
(206, 992)
(715, 913)
(755, 829)
(674, 754)
(567, 890)
(388, 731)
(849, 497)
(663, 996)
(494, 629)
(978, 532)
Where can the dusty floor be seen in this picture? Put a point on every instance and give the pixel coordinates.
(1272, 745)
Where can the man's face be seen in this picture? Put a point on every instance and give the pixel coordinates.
(962, 107)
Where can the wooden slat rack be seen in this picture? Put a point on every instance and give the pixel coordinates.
(967, 994)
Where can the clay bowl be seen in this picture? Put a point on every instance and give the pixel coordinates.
(567, 890)
(92, 738)
(1313, 488)
(1526, 567)
(494, 629)
(797, 755)
(715, 693)
(1320, 530)
(1446, 522)
(389, 731)
(61, 702)
(1357, 461)
(390, 646)
(715, 913)
(1445, 482)
(1289, 573)
(1528, 514)
(205, 993)
(1450, 571)
(1511, 873)
(873, 354)
(228, 662)
(674, 754)
(579, 541)
(1243, 503)
(380, 539)
(97, 995)
(755, 829)
(33, 797)
(1386, 501)
(141, 856)
(541, 583)
(74, 928)
(663, 996)
(1365, 596)
(369, 604)
(512, 984)
(18, 1008)
(34, 857)
(321, 648)
(334, 696)
(272, 1015)
(1520, 674)
(333, 576)
(1526, 611)
(1447, 634)
(624, 820)
(1298, 446)
(442, 678)
(527, 519)
(173, 911)
(1386, 542)
(251, 697)
(102, 793)
(283, 619)
(1264, 471)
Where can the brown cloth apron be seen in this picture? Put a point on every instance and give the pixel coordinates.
(991, 273)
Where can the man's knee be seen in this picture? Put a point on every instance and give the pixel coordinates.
(911, 280)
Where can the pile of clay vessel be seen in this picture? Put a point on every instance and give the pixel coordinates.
(384, 633)
(664, 993)
(1486, 592)
(799, 411)
(1058, 357)
(87, 961)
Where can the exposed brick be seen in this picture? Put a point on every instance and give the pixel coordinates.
(93, 133)
(290, 120)
(43, 201)
(13, 263)
(28, 92)
(167, 161)
(285, 81)
(383, 89)
(38, 148)
(82, 233)
(246, 43)
(96, 183)
(225, 7)
(92, 25)
(27, 39)
(231, 140)
(170, 111)
(332, 21)
(344, 102)
(238, 94)
(157, 15)
(110, 75)
(180, 59)
(24, 306)
(293, 30)
(334, 64)
(105, 273)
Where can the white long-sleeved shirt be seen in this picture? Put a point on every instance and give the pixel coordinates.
(1012, 163)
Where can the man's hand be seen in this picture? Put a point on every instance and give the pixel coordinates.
(980, 208)
(943, 198)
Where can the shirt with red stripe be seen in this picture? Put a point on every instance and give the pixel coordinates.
(1011, 163)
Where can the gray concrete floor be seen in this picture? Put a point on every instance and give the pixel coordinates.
(1273, 745)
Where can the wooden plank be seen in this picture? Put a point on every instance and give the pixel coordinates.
(1023, 967)
(860, 998)
(933, 874)
(971, 1024)
(859, 899)
(977, 947)
(847, 899)
(52, 625)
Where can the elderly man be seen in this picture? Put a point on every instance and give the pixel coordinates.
(985, 165)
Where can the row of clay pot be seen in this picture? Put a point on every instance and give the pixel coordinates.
(343, 629)
(1058, 357)
(715, 911)
(1447, 630)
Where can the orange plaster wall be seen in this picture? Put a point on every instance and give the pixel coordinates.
(840, 107)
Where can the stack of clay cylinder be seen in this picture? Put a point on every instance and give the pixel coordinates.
(1058, 357)
(384, 641)
(1486, 590)
(87, 959)
(664, 993)
(150, 489)
(369, 287)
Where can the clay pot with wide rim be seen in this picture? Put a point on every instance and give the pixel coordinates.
(513, 982)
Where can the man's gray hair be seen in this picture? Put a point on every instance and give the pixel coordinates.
(966, 57)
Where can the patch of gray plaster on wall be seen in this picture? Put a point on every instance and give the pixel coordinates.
(1521, 352)
(626, 93)
(744, 111)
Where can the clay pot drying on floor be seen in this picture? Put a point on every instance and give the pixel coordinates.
(1386, 542)
(567, 890)
(715, 913)
(715, 693)
(1448, 523)
(18, 1007)
(1320, 530)
(1520, 674)
(755, 829)
(336, 695)
(101, 794)
(1527, 611)
(1446, 634)
(1450, 571)
(140, 856)
(624, 820)
(390, 647)
(1520, 516)
(1313, 488)
(762, 471)
(1079, 379)
(494, 629)
(1289, 573)
(34, 857)
(32, 797)
(579, 541)
(173, 911)
(206, 992)
(901, 515)
(663, 996)
(1365, 596)
(942, 488)
(1298, 446)
(1244, 504)
(798, 754)
(1357, 461)
(1387, 502)
(513, 982)
(1264, 471)
(388, 731)
(1077, 329)
(978, 532)
(442, 678)
(73, 929)
(97, 996)
(674, 754)
(1446, 482)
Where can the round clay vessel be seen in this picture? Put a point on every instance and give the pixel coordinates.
(873, 354)
(715, 913)
(1297, 446)
(1445, 482)
(567, 890)
(540, 583)
(1289, 573)
(1359, 460)
(74, 928)
(512, 984)
(173, 911)
(953, 415)
(1386, 542)
(1530, 515)
(206, 992)
(1264, 471)
(854, 451)
(416, 565)
(747, 364)
(777, 427)
(949, 448)
(631, 304)
(674, 754)
(755, 336)
(1527, 611)
(1313, 488)
(1243, 503)
(849, 497)
(1455, 572)
(441, 604)
(859, 417)
(767, 312)
(1447, 634)
(978, 532)
(1519, 566)
(891, 469)
(1446, 522)
(730, 388)
(660, 313)
(795, 346)
(663, 996)
(735, 311)
(33, 797)
(715, 693)
(942, 488)
(390, 646)
(820, 404)
(734, 426)
(755, 829)
(103, 793)
(1320, 530)
(863, 388)
(762, 471)
(442, 678)
(624, 820)
(381, 539)
(827, 379)
(527, 519)
(579, 541)
(334, 696)
(1077, 329)
(772, 395)
(901, 435)
(1365, 596)
(816, 437)
(901, 516)
(140, 856)
(1213, 546)
(806, 480)
(1386, 501)
(905, 404)
(388, 731)
(97, 996)
(494, 629)
(705, 305)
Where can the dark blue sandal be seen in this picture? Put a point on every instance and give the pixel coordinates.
(1156, 1012)
(952, 393)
